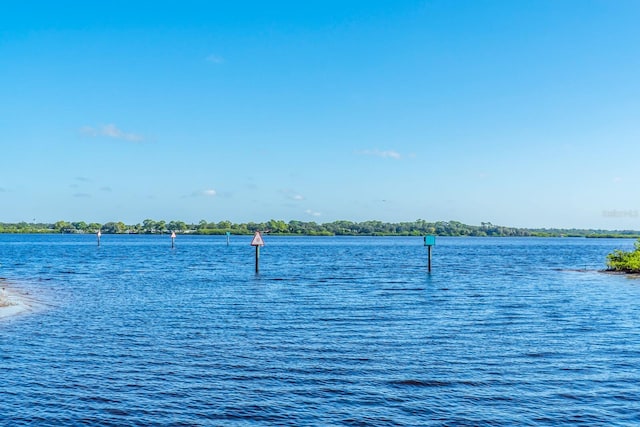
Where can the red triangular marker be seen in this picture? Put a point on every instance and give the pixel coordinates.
(257, 240)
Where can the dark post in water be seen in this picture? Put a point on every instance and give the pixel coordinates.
(228, 234)
(173, 239)
(429, 241)
(98, 234)
(257, 242)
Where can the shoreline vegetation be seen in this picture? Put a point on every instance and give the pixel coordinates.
(336, 228)
(625, 261)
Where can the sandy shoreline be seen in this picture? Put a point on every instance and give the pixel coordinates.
(12, 302)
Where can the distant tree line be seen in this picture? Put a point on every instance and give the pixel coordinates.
(336, 228)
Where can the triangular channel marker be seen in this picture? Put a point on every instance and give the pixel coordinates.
(257, 240)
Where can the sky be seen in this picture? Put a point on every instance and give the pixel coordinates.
(520, 113)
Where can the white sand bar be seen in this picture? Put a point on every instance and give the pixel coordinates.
(12, 302)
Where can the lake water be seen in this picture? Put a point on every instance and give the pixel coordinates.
(332, 331)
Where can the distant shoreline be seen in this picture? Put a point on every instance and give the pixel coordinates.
(300, 228)
(192, 233)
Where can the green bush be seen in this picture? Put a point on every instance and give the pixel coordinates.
(628, 262)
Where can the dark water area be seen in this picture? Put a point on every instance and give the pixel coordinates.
(332, 331)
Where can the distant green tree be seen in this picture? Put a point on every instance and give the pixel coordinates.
(80, 226)
(296, 227)
(277, 226)
(113, 228)
(176, 226)
(342, 227)
(93, 227)
(223, 225)
(149, 226)
(253, 227)
(63, 227)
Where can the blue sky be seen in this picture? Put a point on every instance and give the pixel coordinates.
(520, 113)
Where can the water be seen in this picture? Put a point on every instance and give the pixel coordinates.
(332, 331)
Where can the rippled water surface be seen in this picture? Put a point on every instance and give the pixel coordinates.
(332, 331)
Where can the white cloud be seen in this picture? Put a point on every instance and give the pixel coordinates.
(89, 131)
(202, 193)
(312, 213)
(215, 59)
(292, 195)
(209, 193)
(381, 153)
(110, 131)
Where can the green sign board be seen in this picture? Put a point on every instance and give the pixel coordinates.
(429, 240)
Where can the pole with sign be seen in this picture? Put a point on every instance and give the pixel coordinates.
(99, 234)
(173, 239)
(257, 242)
(429, 241)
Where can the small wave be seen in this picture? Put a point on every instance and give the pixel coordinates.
(368, 421)
(421, 383)
(437, 383)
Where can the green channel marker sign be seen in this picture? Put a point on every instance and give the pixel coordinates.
(429, 240)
